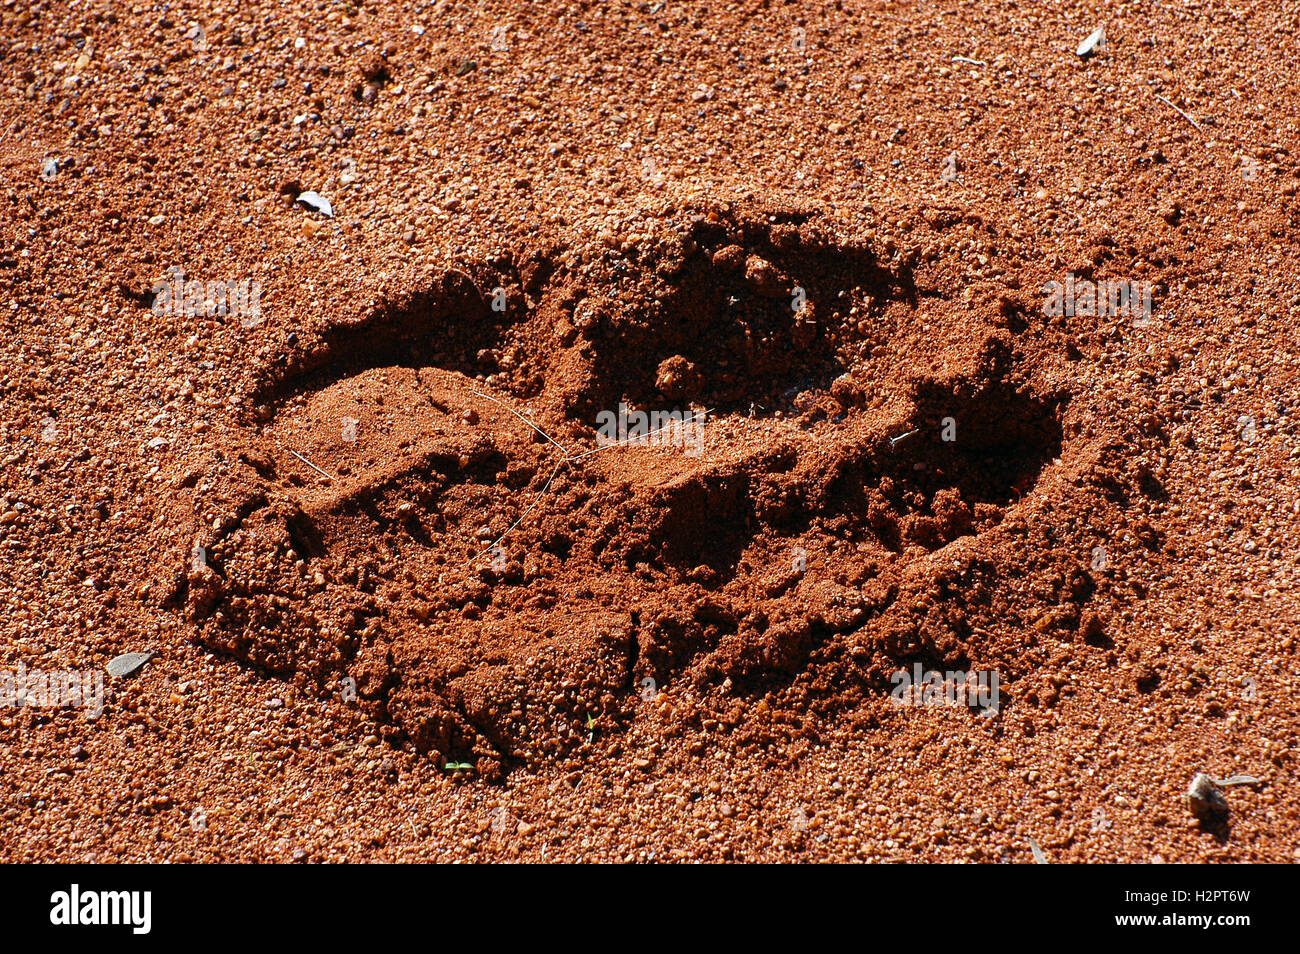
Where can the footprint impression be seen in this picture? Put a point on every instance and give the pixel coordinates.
(504, 506)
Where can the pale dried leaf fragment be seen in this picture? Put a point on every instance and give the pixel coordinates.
(316, 201)
(1040, 856)
(1093, 41)
(121, 666)
(1237, 780)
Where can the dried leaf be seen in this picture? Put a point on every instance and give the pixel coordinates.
(1237, 780)
(1040, 856)
(126, 664)
(1094, 40)
(314, 200)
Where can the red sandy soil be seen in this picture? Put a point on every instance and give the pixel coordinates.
(400, 612)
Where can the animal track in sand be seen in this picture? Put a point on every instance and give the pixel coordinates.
(843, 447)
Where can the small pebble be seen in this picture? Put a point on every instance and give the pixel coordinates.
(1204, 799)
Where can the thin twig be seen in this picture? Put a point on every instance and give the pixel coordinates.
(536, 500)
(312, 466)
(967, 59)
(643, 437)
(472, 284)
(522, 418)
(1179, 112)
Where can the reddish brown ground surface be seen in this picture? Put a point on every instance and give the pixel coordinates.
(542, 213)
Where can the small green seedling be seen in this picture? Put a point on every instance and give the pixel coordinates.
(458, 767)
(591, 728)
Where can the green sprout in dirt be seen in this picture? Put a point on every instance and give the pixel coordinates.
(591, 728)
(458, 768)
